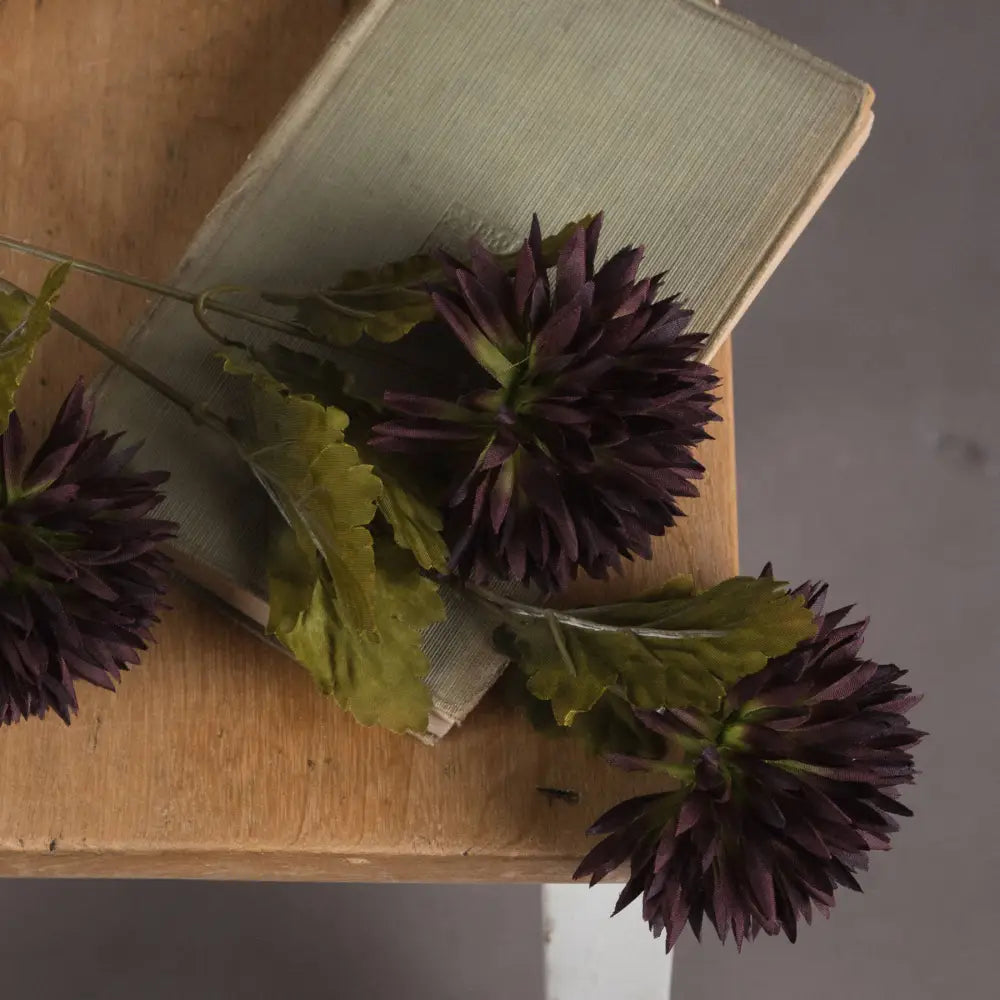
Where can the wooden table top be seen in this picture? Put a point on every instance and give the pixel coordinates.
(120, 123)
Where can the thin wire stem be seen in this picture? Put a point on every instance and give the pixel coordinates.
(156, 288)
(202, 304)
(197, 411)
(205, 301)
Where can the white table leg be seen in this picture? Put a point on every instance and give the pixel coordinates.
(589, 956)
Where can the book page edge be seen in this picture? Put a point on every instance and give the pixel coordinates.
(840, 159)
(205, 576)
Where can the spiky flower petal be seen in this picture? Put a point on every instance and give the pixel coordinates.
(783, 792)
(81, 574)
(575, 452)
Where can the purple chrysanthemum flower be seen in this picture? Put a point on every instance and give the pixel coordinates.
(783, 792)
(81, 574)
(575, 453)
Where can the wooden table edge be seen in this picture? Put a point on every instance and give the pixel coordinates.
(239, 864)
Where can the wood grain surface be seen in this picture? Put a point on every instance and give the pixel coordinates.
(120, 123)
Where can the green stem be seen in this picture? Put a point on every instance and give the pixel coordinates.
(202, 304)
(572, 619)
(156, 288)
(197, 411)
(203, 301)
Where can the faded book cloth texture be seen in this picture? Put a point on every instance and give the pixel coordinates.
(699, 135)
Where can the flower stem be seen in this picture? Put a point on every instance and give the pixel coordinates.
(205, 300)
(156, 288)
(197, 411)
(202, 304)
(572, 619)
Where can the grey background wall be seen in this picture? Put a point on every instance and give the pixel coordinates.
(867, 406)
(867, 379)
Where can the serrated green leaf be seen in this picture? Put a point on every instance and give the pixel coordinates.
(754, 613)
(297, 450)
(415, 521)
(23, 323)
(407, 273)
(379, 680)
(609, 727)
(665, 649)
(387, 301)
(416, 525)
(299, 606)
(325, 379)
(382, 683)
(341, 319)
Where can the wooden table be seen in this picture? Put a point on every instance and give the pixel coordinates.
(120, 123)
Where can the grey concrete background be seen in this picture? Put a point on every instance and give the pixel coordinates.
(867, 379)
(101, 940)
(867, 412)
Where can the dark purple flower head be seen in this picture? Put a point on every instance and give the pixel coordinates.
(575, 452)
(783, 792)
(81, 574)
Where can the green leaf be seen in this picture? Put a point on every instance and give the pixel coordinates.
(304, 372)
(416, 525)
(414, 519)
(296, 448)
(387, 301)
(383, 682)
(670, 648)
(401, 274)
(379, 680)
(300, 606)
(609, 727)
(23, 323)
(341, 318)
